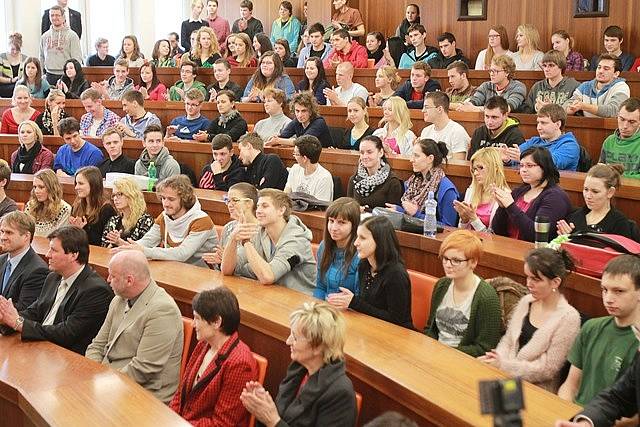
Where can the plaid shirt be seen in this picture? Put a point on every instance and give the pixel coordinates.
(109, 119)
(215, 399)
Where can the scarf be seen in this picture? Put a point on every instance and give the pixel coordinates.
(47, 121)
(25, 158)
(223, 119)
(418, 190)
(365, 184)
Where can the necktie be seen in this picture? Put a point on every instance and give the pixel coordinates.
(7, 275)
(62, 291)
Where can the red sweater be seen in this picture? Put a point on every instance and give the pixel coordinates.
(9, 124)
(357, 55)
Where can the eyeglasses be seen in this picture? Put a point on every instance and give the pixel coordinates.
(527, 165)
(117, 196)
(494, 71)
(455, 262)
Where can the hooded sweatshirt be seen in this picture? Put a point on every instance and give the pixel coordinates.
(565, 150)
(115, 91)
(357, 55)
(440, 62)
(164, 162)
(184, 239)
(57, 47)
(608, 99)
(290, 259)
(543, 91)
(623, 150)
(509, 135)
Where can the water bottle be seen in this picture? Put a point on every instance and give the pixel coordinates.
(152, 173)
(430, 221)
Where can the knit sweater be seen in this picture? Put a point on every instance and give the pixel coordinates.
(608, 98)
(514, 94)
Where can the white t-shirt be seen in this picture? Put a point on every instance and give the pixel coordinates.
(482, 55)
(453, 319)
(453, 134)
(93, 129)
(319, 184)
(356, 89)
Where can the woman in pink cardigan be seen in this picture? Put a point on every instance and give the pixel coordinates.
(543, 325)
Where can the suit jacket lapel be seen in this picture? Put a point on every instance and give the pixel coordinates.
(15, 274)
(71, 292)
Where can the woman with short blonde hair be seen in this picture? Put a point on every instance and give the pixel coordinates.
(32, 155)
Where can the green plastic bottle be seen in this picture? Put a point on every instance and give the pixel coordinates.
(152, 173)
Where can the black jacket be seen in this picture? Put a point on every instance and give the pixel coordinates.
(317, 127)
(122, 164)
(79, 317)
(440, 62)
(222, 181)
(74, 16)
(509, 136)
(404, 92)
(345, 143)
(235, 127)
(614, 222)
(267, 171)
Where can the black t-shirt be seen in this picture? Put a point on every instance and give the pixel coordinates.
(317, 53)
(95, 61)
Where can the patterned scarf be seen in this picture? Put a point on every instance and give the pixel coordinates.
(47, 121)
(365, 184)
(223, 119)
(418, 187)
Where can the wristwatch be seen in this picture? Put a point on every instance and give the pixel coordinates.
(19, 322)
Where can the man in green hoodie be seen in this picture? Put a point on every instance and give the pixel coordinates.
(623, 146)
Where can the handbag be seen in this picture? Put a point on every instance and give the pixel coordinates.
(592, 251)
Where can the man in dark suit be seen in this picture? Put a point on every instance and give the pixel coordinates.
(74, 299)
(73, 19)
(23, 271)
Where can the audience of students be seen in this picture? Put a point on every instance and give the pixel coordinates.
(347, 88)
(411, 16)
(247, 24)
(34, 78)
(307, 121)
(20, 112)
(194, 23)
(421, 52)
(161, 55)
(556, 88)
(221, 74)
(317, 47)
(136, 118)
(358, 116)
(460, 89)
(130, 51)
(307, 175)
(76, 152)
(528, 56)
(118, 84)
(286, 26)
(276, 107)
(46, 205)
(448, 53)
(193, 122)
(387, 81)
(345, 49)
(499, 129)
(101, 58)
(282, 49)
(58, 44)
(612, 38)
(243, 53)
(270, 73)
(501, 83)
(377, 53)
(116, 160)
(7, 204)
(53, 112)
(31, 156)
(623, 146)
(11, 65)
(225, 169)
(188, 74)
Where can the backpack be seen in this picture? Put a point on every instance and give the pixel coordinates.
(509, 292)
(584, 161)
(592, 251)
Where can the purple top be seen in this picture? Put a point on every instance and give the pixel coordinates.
(575, 61)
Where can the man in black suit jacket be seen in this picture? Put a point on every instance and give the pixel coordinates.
(75, 19)
(22, 271)
(74, 299)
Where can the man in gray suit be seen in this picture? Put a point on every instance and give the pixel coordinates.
(142, 335)
(22, 270)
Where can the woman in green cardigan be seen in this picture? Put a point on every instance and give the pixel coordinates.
(465, 310)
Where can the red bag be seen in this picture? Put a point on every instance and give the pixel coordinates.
(592, 251)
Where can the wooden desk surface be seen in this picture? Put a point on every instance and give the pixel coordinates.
(393, 367)
(42, 384)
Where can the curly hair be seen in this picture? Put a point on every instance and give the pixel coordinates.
(49, 209)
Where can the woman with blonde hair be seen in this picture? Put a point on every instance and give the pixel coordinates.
(395, 130)
(479, 206)
(207, 50)
(91, 210)
(244, 55)
(130, 50)
(19, 112)
(53, 112)
(358, 115)
(132, 221)
(498, 46)
(45, 204)
(31, 156)
(387, 80)
(528, 56)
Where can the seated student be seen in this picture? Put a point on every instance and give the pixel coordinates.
(117, 84)
(225, 169)
(130, 51)
(421, 52)
(606, 346)
(623, 146)
(210, 385)
(395, 127)
(221, 74)
(356, 114)
(317, 352)
(281, 48)
(347, 88)
(275, 250)
(34, 78)
(275, 105)
(598, 215)
(465, 310)
(21, 110)
(383, 281)
(91, 209)
(117, 160)
(207, 50)
(418, 85)
(264, 170)
(76, 152)
(501, 84)
(155, 152)
(73, 82)
(136, 119)
(229, 122)
(307, 121)
(193, 122)
(101, 58)
(7, 204)
(150, 86)
(479, 206)
(161, 55)
(377, 51)
(411, 16)
(613, 38)
(528, 56)
(345, 49)
(31, 156)
(85, 294)
(448, 53)
(317, 47)
(338, 261)
(562, 43)
(387, 81)
(348, 18)
(188, 74)
(498, 130)
(142, 335)
(270, 73)
(498, 46)
(307, 175)
(53, 112)
(374, 183)
(243, 54)
(247, 24)
(556, 88)
(542, 326)
(314, 80)
(46, 206)
(460, 89)
(603, 95)
(428, 176)
(540, 195)
(132, 220)
(442, 128)
(286, 26)
(97, 118)
(182, 232)
(563, 146)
